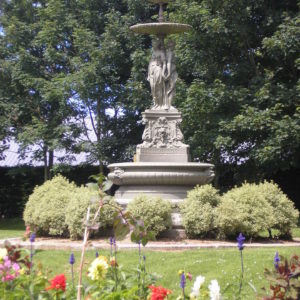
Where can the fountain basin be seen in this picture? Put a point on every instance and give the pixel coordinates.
(163, 28)
(167, 180)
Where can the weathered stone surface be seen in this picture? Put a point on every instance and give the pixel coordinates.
(162, 155)
(175, 194)
(185, 174)
(162, 138)
(169, 181)
(164, 28)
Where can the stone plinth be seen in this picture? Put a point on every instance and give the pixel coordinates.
(162, 138)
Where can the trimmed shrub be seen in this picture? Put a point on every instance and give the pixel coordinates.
(45, 210)
(155, 212)
(77, 209)
(198, 211)
(244, 209)
(286, 216)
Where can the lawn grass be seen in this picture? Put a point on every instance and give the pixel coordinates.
(221, 264)
(10, 228)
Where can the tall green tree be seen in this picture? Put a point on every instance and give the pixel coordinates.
(67, 64)
(239, 89)
(35, 62)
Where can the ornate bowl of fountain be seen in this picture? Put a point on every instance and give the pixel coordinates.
(162, 166)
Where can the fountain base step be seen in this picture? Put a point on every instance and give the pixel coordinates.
(175, 194)
(174, 234)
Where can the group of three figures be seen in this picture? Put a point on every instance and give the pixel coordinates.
(162, 74)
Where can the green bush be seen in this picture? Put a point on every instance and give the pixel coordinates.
(45, 210)
(77, 209)
(244, 209)
(198, 211)
(155, 212)
(286, 216)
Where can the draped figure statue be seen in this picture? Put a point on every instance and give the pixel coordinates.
(162, 74)
(171, 77)
(156, 74)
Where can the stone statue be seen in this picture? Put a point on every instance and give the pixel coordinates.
(162, 75)
(171, 77)
(156, 74)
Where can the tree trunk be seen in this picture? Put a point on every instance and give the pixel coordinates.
(45, 152)
(99, 134)
(50, 164)
(101, 166)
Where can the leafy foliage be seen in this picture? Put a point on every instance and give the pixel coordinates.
(76, 211)
(154, 212)
(286, 216)
(240, 84)
(244, 209)
(198, 211)
(45, 210)
(284, 279)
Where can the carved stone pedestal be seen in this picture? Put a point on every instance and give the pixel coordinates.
(162, 138)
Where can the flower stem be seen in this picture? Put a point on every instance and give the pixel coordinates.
(242, 274)
(84, 244)
(72, 270)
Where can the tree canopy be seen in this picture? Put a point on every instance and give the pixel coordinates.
(240, 92)
(62, 62)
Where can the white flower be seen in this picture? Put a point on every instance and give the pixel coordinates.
(3, 253)
(214, 290)
(197, 285)
(98, 268)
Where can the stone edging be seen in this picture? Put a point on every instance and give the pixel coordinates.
(77, 245)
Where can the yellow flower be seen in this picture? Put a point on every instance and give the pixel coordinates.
(3, 253)
(192, 296)
(180, 272)
(22, 271)
(98, 268)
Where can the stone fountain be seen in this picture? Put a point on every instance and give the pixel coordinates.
(162, 166)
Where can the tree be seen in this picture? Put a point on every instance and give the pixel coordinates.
(108, 78)
(65, 62)
(35, 61)
(239, 93)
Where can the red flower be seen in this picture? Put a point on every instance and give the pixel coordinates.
(57, 283)
(158, 292)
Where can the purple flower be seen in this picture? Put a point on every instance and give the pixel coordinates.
(72, 259)
(240, 239)
(276, 260)
(182, 281)
(111, 241)
(96, 254)
(32, 237)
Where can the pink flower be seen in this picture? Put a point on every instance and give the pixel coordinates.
(7, 262)
(16, 267)
(8, 277)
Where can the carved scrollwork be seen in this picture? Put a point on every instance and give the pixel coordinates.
(162, 133)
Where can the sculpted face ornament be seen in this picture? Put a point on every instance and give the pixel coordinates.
(116, 175)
